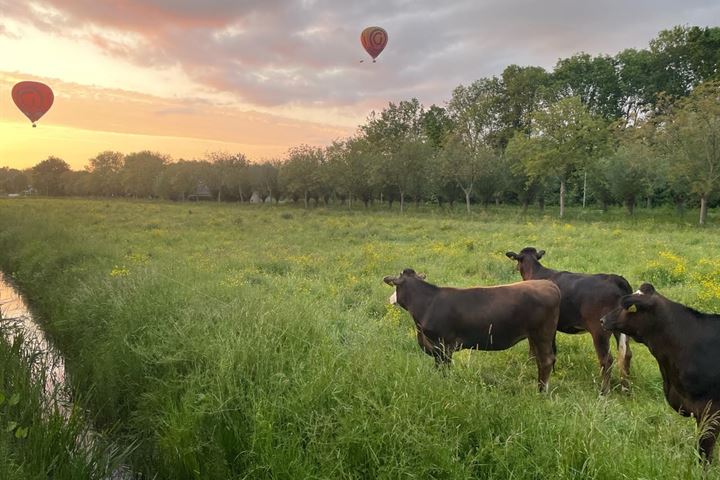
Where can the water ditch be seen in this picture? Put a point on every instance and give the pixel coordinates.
(48, 365)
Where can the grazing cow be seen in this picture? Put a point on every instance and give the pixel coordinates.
(686, 345)
(585, 299)
(482, 318)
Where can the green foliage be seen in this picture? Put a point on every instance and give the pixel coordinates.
(225, 350)
(46, 175)
(40, 438)
(593, 79)
(140, 173)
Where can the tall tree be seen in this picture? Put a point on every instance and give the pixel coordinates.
(265, 179)
(683, 57)
(13, 180)
(300, 172)
(47, 175)
(394, 137)
(593, 79)
(563, 138)
(436, 126)
(231, 174)
(141, 171)
(524, 89)
(408, 171)
(104, 169)
(476, 113)
(463, 166)
(691, 135)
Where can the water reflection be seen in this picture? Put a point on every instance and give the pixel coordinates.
(17, 323)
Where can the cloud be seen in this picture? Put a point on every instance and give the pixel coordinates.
(274, 53)
(124, 112)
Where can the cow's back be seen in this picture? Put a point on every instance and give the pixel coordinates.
(492, 317)
(587, 297)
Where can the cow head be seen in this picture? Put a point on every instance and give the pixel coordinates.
(399, 282)
(527, 261)
(635, 315)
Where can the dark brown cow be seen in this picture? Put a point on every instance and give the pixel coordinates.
(686, 345)
(585, 299)
(481, 318)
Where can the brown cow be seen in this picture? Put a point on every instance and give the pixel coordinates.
(482, 318)
(585, 299)
(686, 345)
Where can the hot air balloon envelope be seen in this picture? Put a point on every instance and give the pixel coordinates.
(374, 40)
(33, 99)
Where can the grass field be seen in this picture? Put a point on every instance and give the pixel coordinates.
(229, 341)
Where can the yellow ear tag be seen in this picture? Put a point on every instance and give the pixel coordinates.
(632, 308)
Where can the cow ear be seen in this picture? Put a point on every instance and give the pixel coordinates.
(635, 303)
(540, 254)
(421, 276)
(647, 289)
(512, 255)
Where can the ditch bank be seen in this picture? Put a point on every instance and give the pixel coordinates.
(26, 338)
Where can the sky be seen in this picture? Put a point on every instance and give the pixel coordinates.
(188, 77)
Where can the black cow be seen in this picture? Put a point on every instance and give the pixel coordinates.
(585, 299)
(481, 318)
(686, 345)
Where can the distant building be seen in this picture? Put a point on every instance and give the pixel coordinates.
(201, 191)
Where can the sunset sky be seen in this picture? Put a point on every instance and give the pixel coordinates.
(185, 77)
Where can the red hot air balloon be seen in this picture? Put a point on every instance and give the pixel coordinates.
(33, 99)
(374, 40)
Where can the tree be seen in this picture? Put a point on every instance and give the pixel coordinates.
(691, 136)
(594, 80)
(406, 170)
(13, 180)
(564, 137)
(141, 171)
(265, 178)
(476, 113)
(349, 163)
(231, 174)
(183, 178)
(684, 57)
(47, 175)
(636, 83)
(436, 126)
(461, 165)
(523, 91)
(396, 138)
(104, 171)
(300, 173)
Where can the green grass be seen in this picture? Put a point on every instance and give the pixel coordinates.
(38, 438)
(234, 341)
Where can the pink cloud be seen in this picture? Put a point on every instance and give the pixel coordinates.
(282, 52)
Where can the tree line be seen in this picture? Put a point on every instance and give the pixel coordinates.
(640, 127)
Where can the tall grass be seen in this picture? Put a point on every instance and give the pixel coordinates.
(39, 437)
(256, 342)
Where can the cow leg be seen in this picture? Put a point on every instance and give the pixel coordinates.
(708, 437)
(601, 340)
(545, 359)
(624, 359)
(438, 351)
(531, 354)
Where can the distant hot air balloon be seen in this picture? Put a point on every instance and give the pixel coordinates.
(374, 40)
(33, 99)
